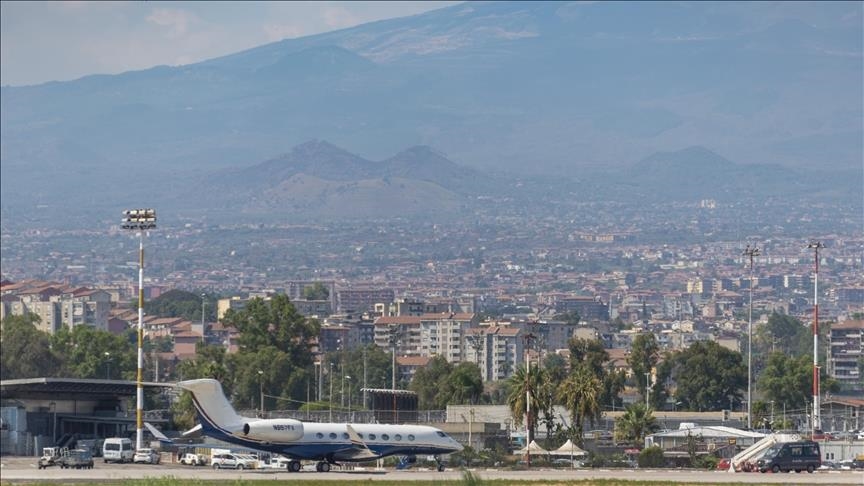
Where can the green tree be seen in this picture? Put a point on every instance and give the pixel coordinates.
(782, 333)
(613, 384)
(25, 351)
(180, 303)
(588, 353)
(636, 422)
(580, 393)
(274, 338)
(463, 385)
(427, 380)
(522, 386)
(708, 376)
(644, 355)
(316, 291)
(787, 380)
(378, 370)
(87, 352)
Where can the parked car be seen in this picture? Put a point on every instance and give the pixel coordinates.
(233, 461)
(146, 456)
(78, 459)
(191, 459)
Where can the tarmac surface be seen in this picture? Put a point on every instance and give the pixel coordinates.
(23, 469)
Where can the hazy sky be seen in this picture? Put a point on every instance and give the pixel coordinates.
(57, 41)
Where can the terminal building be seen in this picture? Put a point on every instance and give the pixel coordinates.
(43, 412)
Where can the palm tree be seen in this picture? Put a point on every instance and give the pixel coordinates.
(523, 385)
(636, 422)
(581, 392)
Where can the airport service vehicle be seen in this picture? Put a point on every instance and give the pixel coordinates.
(327, 443)
(233, 461)
(791, 456)
(146, 456)
(78, 459)
(51, 456)
(117, 449)
(191, 459)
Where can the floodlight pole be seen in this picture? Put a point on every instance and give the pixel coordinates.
(816, 423)
(750, 252)
(140, 220)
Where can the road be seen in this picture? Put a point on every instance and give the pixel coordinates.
(23, 469)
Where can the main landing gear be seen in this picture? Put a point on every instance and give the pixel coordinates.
(294, 466)
(440, 464)
(322, 466)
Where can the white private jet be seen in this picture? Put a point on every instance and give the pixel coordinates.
(327, 443)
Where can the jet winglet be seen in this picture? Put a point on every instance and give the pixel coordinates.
(362, 451)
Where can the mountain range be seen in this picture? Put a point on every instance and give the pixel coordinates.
(568, 91)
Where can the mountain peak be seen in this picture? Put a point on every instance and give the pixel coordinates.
(687, 158)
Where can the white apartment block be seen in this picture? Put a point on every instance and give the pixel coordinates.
(425, 335)
(497, 350)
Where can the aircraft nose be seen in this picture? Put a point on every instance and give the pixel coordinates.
(457, 446)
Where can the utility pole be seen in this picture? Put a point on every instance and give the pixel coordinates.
(364, 376)
(750, 252)
(528, 339)
(817, 421)
(647, 389)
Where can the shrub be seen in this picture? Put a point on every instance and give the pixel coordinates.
(652, 457)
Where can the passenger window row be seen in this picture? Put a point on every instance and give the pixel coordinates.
(396, 437)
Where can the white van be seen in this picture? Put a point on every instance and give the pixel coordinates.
(117, 449)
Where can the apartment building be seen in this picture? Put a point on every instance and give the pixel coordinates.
(497, 350)
(57, 305)
(362, 300)
(425, 335)
(845, 351)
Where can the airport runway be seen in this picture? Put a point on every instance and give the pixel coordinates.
(15, 469)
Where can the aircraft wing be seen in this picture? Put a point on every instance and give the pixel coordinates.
(157, 433)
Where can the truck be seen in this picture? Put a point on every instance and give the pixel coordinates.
(77, 459)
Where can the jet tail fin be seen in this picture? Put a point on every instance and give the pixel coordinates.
(213, 407)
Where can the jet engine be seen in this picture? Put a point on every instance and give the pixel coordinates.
(273, 430)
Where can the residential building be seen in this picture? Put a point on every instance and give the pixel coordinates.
(497, 350)
(362, 300)
(845, 353)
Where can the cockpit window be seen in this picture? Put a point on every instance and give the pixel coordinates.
(441, 434)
